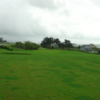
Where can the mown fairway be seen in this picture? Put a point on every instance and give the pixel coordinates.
(49, 75)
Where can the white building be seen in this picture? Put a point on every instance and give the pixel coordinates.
(54, 45)
(74, 45)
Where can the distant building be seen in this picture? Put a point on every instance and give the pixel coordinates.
(92, 45)
(85, 48)
(54, 45)
(74, 45)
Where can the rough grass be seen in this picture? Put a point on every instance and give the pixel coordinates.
(49, 75)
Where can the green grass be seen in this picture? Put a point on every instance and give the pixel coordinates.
(49, 75)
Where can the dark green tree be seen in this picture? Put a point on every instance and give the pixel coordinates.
(68, 44)
(57, 41)
(79, 46)
(65, 44)
(47, 41)
(62, 45)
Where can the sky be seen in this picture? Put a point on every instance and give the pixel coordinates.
(33, 20)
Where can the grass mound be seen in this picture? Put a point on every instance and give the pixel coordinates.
(6, 47)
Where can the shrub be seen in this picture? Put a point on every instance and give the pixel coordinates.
(27, 45)
(49, 46)
(56, 47)
(5, 47)
(35, 46)
(31, 46)
(19, 45)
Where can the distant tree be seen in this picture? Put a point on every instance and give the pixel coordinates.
(65, 44)
(2, 41)
(79, 46)
(62, 45)
(68, 44)
(57, 41)
(47, 41)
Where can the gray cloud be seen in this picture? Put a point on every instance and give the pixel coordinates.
(16, 23)
(33, 20)
(49, 4)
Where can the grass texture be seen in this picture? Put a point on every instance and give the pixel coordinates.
(49, 75)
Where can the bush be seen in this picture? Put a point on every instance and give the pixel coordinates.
(35, 46)
(5, 47)
(49, 46)
(56, 47)
(31, 46)
(19, 45)
(27, 45)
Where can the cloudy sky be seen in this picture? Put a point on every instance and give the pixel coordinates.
(75, 20)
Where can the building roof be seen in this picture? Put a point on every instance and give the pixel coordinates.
(54, 44)
(84, 45)
(92, 45)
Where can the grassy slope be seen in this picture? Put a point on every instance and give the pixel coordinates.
(49, 75)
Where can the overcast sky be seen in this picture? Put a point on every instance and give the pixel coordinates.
(75, 20)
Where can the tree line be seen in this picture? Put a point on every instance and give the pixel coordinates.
(47, 41)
